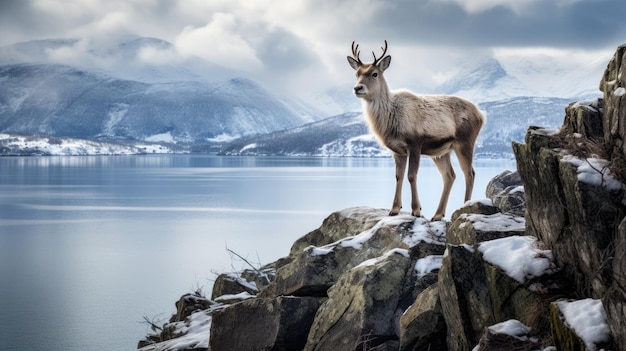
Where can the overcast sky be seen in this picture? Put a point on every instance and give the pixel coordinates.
(302, 42)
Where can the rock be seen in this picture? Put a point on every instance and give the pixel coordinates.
(508, 335)
(364, 306)
(280, 323)
(188, 304)
(615, 299)
(506, 192)
(584, 119)
(232, 284)
(580, 325)
(471, 227)
(422, 326)
(612, 84)
(315, 269)
(465, 300)
(337, 226)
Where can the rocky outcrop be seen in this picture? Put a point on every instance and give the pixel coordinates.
(514, 271)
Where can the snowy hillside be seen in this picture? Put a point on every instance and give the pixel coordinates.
(493, 79)
(151, 100)
(347, 134)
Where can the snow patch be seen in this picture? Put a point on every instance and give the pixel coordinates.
(427, 232)
(594, 171)
(161, 138)
(513, 328)
(356, 242)
(619, 91)
(376, 260)
(428, 264)
(222, 138)
(248, 147)
(588, 319)
(497, 222)
(518, 257)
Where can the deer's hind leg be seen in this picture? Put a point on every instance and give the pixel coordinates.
(444, 166)
(465, 154)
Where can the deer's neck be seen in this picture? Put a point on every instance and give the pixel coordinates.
(378, 112)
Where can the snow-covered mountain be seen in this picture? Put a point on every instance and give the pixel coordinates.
(493, 79)
(347, 134)
(170, 100)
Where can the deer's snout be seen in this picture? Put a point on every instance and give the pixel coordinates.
(360, 89)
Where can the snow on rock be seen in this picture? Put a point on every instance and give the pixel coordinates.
(374, 261)
(426, 231)
(356, 242)
(588, 320)
(594, 171)
(497, 222)
(512, 327)
(194, 334)
(519, 257)
(428, 264)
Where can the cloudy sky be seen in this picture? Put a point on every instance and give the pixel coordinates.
(303, 43)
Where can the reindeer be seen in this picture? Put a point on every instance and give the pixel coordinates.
(412, 125)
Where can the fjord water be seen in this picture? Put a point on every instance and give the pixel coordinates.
(91, 245)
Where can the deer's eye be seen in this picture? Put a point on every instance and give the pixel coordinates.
(375, 74)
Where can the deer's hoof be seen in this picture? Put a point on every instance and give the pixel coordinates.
(394, 212)
(438, 217)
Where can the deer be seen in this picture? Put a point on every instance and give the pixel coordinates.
(412, 125)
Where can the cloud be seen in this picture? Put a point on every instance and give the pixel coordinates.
(296, 43)
(219, 42)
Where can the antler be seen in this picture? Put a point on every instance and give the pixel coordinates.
(356, 52)
(381, 56)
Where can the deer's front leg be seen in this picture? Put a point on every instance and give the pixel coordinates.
(414, 164)
(400, 161)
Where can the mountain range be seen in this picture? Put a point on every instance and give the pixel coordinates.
(143, 90)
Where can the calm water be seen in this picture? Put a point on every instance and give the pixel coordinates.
(90, 245)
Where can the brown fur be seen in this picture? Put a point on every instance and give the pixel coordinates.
(412, 125)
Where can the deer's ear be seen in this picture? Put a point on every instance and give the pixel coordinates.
(353, 63)
(384, 63)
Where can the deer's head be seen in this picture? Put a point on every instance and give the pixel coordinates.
(370, 81)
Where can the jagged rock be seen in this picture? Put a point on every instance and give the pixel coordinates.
(364, 306)
(465, 300)
(315, 269)
(613, 84)
(506, 192)
(584, 119)
(478, 221)
(615, 299)
(422, 326)
(188, 304)
(508, 335)
(581, 327)
(279, 324)
(337, 226)
(232, 284)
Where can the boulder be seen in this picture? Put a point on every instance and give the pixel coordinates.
(465, 300)
(422, 326)
(506, 191)
(478, 221)
(364, 306)
(337, 226)
(315, 269)
(507, 335)
(232, 284)
(277, 324)
(613, 84)
(614, 300)
(580, 325)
